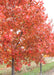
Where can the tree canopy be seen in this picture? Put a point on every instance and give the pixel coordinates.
(24, 32)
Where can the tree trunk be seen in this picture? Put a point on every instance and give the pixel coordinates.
(40, 68)
(13, 66)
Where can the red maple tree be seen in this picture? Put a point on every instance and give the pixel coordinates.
(24, 32)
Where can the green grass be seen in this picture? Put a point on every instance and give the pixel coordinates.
(45, 68)
(2, 66)
(36, 71)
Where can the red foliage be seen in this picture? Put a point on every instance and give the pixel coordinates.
(24, 33)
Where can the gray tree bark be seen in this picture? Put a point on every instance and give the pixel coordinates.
(13, 66)
(40, 68)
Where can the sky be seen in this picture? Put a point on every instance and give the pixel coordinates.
(49, 5)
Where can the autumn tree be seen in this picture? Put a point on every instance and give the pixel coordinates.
(24, 32)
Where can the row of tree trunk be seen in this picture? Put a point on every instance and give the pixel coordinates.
(13, 68)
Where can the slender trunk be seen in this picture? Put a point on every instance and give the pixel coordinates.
(13, 66)
(40, 68)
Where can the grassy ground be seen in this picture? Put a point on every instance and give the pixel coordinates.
(36, 71)
(45, 68)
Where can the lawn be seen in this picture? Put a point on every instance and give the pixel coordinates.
(45, 68)
(35, 71)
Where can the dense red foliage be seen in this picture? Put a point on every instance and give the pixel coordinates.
(51, 45)
(24, 33)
